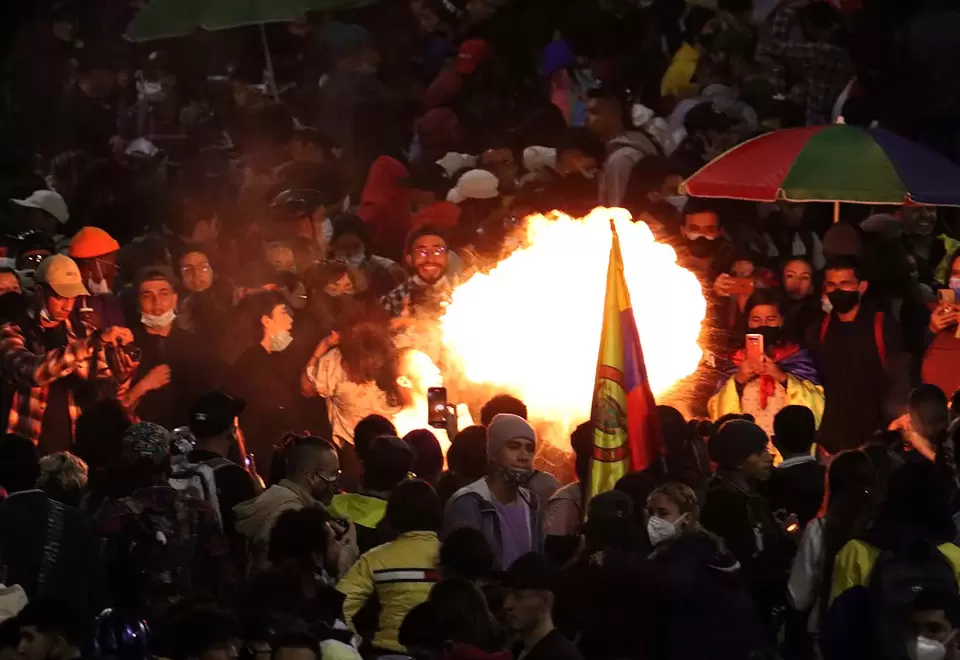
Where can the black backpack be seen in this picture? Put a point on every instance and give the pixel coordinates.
(899, 575)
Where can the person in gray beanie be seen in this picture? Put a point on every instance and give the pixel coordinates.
(498, 505)
(741, 516)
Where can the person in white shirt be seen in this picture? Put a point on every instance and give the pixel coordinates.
(850, 504)
(357, 375)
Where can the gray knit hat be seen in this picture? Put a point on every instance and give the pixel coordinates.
(504, 428)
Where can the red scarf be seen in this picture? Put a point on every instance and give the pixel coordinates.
(767, 384)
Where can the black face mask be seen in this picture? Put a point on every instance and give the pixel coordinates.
(843, 301)
(701, 247)
(771, 335)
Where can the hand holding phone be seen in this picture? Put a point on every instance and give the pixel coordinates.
(754, 349)
(437, 407)
(947, 298)
(741, 286)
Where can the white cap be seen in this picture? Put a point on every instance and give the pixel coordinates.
(475, 184)
(49, 201)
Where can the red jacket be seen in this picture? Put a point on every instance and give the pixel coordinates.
(385, 207)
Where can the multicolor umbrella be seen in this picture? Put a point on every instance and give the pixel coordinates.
(177, 18)
(830, 163)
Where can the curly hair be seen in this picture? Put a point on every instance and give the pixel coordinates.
(369, 355)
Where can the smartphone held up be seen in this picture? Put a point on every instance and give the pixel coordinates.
(754, 348)
(437, 407)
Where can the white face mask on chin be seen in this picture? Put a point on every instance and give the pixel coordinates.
(924, 648)
(280, 342)
(158, 322)
(100, 288)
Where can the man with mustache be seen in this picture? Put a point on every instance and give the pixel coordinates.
(427, 289)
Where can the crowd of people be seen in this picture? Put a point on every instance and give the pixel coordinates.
(221, 283)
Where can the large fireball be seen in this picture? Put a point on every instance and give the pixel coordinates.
(531, 326)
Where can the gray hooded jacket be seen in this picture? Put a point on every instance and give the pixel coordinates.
(472, 506)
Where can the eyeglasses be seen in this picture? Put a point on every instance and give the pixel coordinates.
(329, 479)
(202, 268)
(437, 251)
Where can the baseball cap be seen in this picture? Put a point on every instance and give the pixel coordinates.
(472, 53)
(475, 184)
(61, 274)
(213, 413)
(610, 508)
(532, 571)
(92, 242)
(46, 200)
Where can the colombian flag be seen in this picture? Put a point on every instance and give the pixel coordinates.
(626, 430)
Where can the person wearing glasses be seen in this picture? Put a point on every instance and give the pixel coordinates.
(311, 477)
(95, 252)
(428, 287)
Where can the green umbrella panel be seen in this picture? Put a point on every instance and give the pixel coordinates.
(177, 18)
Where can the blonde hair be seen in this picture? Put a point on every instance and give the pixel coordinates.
(64, 470)
(681, 495)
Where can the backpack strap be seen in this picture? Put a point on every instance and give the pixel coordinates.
(879, 340)
(51, 546)
(824, 326)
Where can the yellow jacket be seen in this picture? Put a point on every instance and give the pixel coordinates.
(799, 393)
(855, 561)
(678, 79)
(401, 573)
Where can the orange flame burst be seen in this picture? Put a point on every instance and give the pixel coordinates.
(531, 325)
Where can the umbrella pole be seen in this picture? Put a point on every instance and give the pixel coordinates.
(836, 212)
(269, 60)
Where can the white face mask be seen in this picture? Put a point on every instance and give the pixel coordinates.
(925, 648)
(692, 235)
(158, 322)
(356, 259)
(660, 530)
(954, 283)
(826, 305)
(280, 342)
(677, 201)
(150, 91)
(100, 288)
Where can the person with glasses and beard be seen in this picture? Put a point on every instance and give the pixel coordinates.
(783, 375)
(429, 286)
(312, 473)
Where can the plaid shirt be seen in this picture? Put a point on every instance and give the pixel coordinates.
(824, 67)
(414, 295)
(30, 374)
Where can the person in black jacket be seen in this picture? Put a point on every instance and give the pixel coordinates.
(267, 376)
(796, 485)
(693, 584)
(49, 549)
(531, 582)
(213, 421)
(859, 353)
(735, 511)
